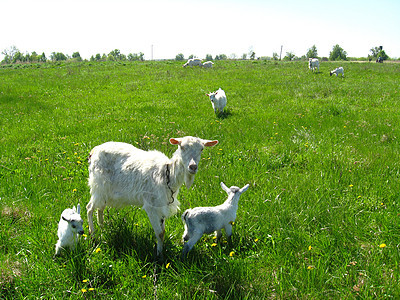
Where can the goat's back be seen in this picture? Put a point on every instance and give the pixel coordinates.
(126, 175)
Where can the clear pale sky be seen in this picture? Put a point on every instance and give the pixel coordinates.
(199, 27)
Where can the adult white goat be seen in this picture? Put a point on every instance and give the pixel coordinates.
(218, 100)
(313, 64)
(338, 71)
(69, 229)
(208, 64)
(123, 175)
(200, 220)
(193, 62)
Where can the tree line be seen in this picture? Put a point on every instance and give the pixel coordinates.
(13, 56)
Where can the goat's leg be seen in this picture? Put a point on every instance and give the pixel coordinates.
(228, 232)
(90, 209)
(190, 243)
(158, 224)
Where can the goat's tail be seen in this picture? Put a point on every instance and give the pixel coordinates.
(184, 216)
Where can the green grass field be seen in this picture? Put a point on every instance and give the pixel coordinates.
(321, 155)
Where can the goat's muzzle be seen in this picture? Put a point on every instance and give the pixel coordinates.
(193, 168)
(81, 232)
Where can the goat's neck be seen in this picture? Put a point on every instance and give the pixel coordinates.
(232, 201)
(177, 171)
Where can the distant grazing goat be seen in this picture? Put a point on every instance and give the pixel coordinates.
(200, 220)
(218, 100)
(123, 175)
(69, 229)
(193, 62)
(207, 64)
(313, 64)
(338, 71)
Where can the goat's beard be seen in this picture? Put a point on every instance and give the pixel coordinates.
(189, 178)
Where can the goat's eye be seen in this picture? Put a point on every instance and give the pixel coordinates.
(182, 148)
(73, 226)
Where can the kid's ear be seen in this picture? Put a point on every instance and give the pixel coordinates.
(176, 141)
(210, 143)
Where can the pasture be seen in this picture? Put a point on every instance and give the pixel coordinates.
(321, 154)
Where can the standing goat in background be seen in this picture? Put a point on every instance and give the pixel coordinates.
(200, 220)
(313, 64)
(218, 100)
(122, 175)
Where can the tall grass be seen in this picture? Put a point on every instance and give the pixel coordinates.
(321, 154)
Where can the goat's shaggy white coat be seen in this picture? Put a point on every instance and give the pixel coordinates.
(69, 229)
(338, 71)
(313, 64)
(123, 175)
(208, 64)
(218, 100)
(200, 220)
(193, 62)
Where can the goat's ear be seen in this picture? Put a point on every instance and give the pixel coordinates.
(225, 188)
(176, 141)
(243, 189)
(66, 220)
(210, 143)
(78, 209)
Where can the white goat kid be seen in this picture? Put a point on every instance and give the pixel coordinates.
(208, 64)
(218, 100)
(338, 71)
(123, 175)
(193, 62)
(313, 64)
(200, 220)
(69, 229)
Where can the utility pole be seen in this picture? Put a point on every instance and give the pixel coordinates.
(280, 55)
(152, 46)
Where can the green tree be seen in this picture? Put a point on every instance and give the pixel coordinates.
(312, 52)
(289, 56)
(209, 57)
(58, 56)
(9, 54)
(337, 53)
(179, 57)
(378, 52)
(275, 56)
(77, 56)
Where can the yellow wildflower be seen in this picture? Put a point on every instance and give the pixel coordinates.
(91, 289)
(98, 250)
(167, 266)
(231, 253)
(144, 276)
(382, 245)
(309, 248)
(83, 290)
(85, 280)
(213, 244)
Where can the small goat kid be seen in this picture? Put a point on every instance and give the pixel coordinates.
(218, 100)
(338, 71)
(200, 220)
(69, 229)
(123, 175)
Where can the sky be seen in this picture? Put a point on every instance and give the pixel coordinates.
(230, 27)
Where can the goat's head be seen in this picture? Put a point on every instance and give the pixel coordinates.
(190, 149)
(234, 189)
(212, 96)
(74, 220)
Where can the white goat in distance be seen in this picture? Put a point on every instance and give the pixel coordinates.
(123, 175)
(69, 229)
(218, 100)
(201, 220)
